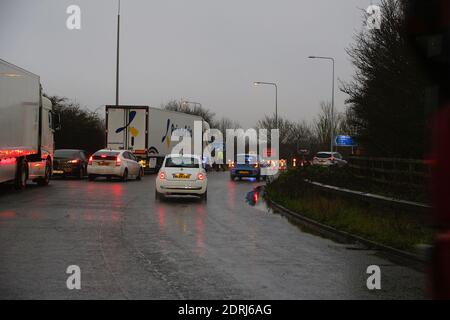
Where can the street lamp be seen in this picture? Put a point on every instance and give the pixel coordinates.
(257, 83)
(117, 55)
(332, 99)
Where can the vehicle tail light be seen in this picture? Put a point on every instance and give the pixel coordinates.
(201, 176)
(118, 161)
(256, 165)
(162, 175)
(90, 160)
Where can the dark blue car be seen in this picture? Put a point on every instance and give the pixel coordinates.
(246, 166)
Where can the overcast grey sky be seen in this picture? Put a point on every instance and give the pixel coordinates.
(208, 51)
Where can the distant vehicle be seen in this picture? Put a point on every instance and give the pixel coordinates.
(114, 163)
(147, 131)
(27, 124)
(246, 166)
(70, 162)
(182, 175)
(329, 159)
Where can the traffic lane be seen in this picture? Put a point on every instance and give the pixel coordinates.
(44, 230)
(268, 256)
(129, 246)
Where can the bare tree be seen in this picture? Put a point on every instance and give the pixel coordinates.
(326, 124)
(179, 106)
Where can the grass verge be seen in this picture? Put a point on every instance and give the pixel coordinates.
(384, 225)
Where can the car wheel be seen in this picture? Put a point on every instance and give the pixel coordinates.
(80, 173)
(231, 177)
(20, 181)
(159, 196)
(91, 177)
(140, 175)
(205, 196)
(125, 175)
(46, 179)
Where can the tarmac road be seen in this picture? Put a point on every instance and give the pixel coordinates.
(129, 246)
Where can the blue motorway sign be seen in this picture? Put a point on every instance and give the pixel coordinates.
(344, 141)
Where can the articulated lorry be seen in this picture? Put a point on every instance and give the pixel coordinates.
(27, 124)
(147, 132)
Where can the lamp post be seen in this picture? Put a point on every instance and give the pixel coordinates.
(257, 83)
(117, 55)
(332, 99)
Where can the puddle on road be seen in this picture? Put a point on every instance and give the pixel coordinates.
(255, 198)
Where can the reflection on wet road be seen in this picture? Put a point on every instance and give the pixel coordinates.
(129, 246)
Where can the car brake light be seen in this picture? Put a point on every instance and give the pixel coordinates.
(162, 175)
(200, 176)
(90, 160)
(118, 161)
(257, 165)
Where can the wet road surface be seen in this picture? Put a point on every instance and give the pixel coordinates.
(130, 246)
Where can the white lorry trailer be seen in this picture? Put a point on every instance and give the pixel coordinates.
(26, 128)
(147, 131)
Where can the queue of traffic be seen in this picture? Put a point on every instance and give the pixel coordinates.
(139, 139)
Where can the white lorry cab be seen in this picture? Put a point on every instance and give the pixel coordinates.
(147, 132)
(27, 124)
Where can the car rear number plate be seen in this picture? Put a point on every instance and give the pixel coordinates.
(58, 171)
(103, 163)
(244, 172)
(182, 176)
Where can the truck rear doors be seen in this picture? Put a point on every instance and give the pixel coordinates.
(126, 128)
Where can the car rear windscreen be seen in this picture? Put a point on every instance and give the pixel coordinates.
(105, 155)
(182, 162)
(67, 154)
(323, 155)
(246, 159)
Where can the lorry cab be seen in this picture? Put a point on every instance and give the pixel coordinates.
(27, 126)
(49, 123)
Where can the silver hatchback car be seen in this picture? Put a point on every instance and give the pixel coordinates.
(329, 159)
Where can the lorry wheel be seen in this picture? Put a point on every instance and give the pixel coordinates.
(20, 181)
(46, 179)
